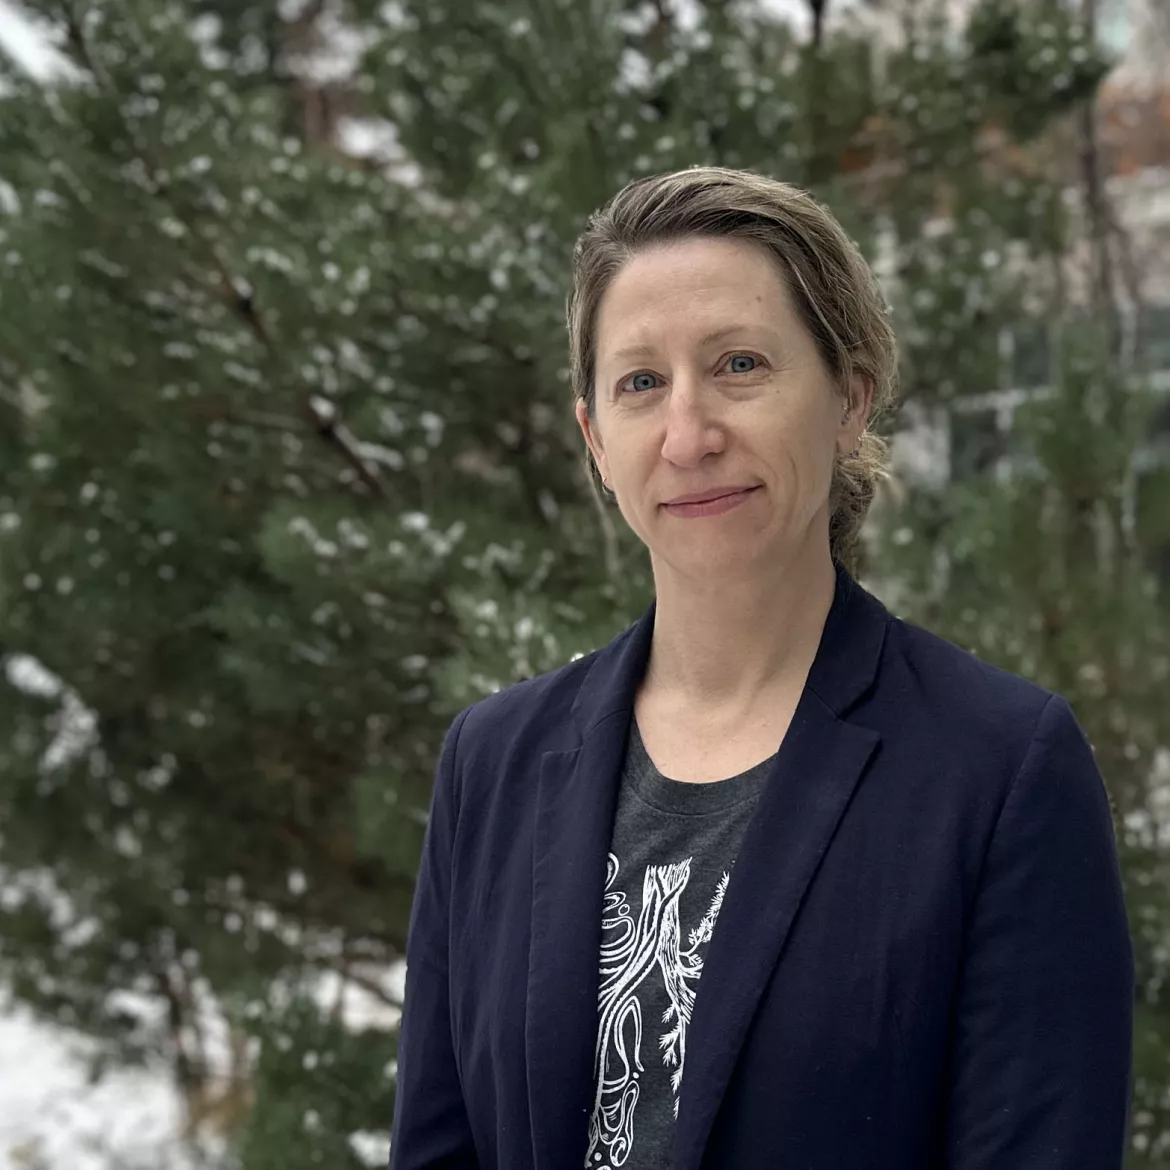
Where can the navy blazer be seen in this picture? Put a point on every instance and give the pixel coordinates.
(922, 961)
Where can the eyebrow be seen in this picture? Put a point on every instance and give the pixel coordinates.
(709, 338)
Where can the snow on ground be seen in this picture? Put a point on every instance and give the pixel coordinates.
(51, 1118)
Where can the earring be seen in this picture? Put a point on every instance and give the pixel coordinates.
(856, 450)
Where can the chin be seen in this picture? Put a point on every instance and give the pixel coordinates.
(720, 562)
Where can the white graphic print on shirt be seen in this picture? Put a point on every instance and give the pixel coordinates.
(630, 951)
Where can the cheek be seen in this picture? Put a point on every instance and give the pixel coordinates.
(807, 435)
(628, 454)
(807, 461)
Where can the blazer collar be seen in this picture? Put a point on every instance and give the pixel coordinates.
(820, 762)
(843, 670)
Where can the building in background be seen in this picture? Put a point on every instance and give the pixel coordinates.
(976, 436)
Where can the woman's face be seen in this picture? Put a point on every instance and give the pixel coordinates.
(706, 381)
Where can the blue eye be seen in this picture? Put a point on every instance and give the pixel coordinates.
(643, 374)
(739, 356)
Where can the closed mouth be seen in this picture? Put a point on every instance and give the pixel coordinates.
(710, 498)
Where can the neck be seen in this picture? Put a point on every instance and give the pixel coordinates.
(723, 645)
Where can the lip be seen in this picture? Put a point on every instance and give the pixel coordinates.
(708, 496)
(710, 504)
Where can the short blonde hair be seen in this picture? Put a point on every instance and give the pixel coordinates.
(832, 286)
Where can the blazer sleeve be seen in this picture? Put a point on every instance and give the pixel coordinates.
(1042, 1058)
(431, 1128)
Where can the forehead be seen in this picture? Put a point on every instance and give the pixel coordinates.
(699, 288)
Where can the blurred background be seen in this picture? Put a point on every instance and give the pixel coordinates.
(289, 474)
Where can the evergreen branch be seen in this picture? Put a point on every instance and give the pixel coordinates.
(75, 39)
(368, 985)
(819, 10)
(663, 27)
(500, 48)
(522, 450)
(322, 414)
(10, 398)
(268, 422)
(189, 1068)
(337, 1011)
(223, 1101)
(239, 294)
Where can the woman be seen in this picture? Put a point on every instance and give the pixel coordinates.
(773, 880)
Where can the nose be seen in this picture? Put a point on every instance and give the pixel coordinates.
(693, 430)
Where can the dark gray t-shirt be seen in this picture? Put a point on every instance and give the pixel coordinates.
(670, 858)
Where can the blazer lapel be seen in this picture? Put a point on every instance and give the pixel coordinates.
(575, 808)
(819, 764)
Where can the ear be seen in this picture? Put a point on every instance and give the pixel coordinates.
(859, 404)
(592, 438)
(861, 393)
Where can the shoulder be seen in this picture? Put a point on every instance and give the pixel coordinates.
(947, 692)
(533, 713)
(947, 667)
(966, 726)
